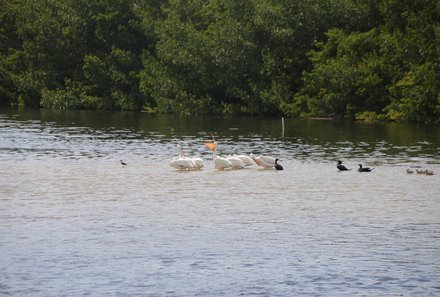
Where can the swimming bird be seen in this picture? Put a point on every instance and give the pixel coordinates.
(264, 161)
(427, 172)
(219, 162)
(409, 171)
(236, 162)
(364, 169)
(246, 159)
(341, 167)
(198, 162)
(181, 162)
(123, 163)
(421, 171)
(278, 166)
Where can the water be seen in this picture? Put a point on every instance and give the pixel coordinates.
(74, 222)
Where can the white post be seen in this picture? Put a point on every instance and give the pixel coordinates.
(282, 126)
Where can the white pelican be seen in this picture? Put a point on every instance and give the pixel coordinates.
(219, 162)
(264, 161)
(246, 159)
(184, 163)
(236, 162)
(198, 162)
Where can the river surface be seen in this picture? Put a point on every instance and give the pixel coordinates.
(75, 222)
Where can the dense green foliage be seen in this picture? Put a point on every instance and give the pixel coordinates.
(357, 59)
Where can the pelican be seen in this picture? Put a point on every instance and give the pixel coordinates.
(219, 162)
(181, 162)
(198, 162)
(236, 162)
(364, 169)
(264, 161)
(246, 159)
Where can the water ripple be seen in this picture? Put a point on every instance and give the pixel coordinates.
(73, 221)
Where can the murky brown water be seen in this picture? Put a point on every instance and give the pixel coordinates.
(73, 221)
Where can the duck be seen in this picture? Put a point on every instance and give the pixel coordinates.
(278, 166)
(421, 171)
(364, 169)
(409, 171)
(427, 172)
(123, 163)
(341, 167)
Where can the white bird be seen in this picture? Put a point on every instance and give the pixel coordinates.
(236, 162)
(198, 162)
(264, 161)
(246, 159)
(181, 162)
(219, 162)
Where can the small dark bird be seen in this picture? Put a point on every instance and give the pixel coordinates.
(123, 163)
(278, 166)
(342, 167)
(409, 171)
(364, 169)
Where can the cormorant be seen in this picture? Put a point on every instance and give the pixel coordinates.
(278, 166)
(364, 169)
(342, 167)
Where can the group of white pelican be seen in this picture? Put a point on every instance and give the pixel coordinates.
(235, 161)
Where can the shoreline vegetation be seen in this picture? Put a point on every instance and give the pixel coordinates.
(337, 59)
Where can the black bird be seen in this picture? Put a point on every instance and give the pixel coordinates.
(364, 169)
(278, 166)
(123, 163)
(342, 167)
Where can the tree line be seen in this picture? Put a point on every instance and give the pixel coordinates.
(354, 59)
